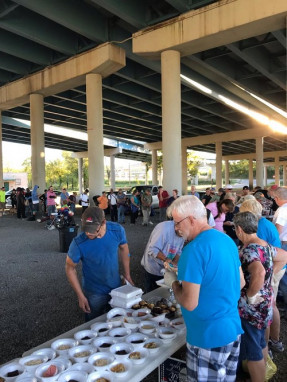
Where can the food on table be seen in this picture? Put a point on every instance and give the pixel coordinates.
(177, 323)
(63, 347)
(137, 341)
(135, 355)
(150, 345)
(147, 327)
(136, 306)
(33, 362)
(142, 314)
(72, 380)
(102, 380)
(150, 306)
(82, 354)
(105, 345)
(142, 303)
(86, 338)
(13, 373)
(130, 320)
(121, 352)
(119, 335)
(167, 332)
(103, 330)
(119, 368)
(115, 318)
(50, 372)
(2, 379)
(101, 362)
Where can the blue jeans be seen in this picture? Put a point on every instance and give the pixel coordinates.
(99, 305)
(121, 214)
(283, 281)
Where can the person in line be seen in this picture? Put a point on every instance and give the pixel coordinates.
(99, 248)
(43, 199)
(51, 201)
(121, 204)
(85, 200)
(72, 201)
(64, 196)
(2, 200)
(13, 198)
(163, 198)
(194, 192)
(135, 206)
(207, 196)
(20, 203)
(28, 202)
(146, 202)
(113, 205)
(218, 210)
(255, 304)
(103, 201)
(173, 197)
(35, 201)
(219, 196)
(208, 300)
(164, 245)
(240, 199)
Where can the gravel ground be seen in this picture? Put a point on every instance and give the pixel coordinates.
(37, 303)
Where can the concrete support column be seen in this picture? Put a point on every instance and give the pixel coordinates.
(277, 168)
(284, 175)
(113, 172)
(171, 120)
(259, 162)
(250, 174)
(154, 166)
(218, 150)
(1, 155)
(226, 172)
(184, 170)
(80, 175)
(37, 141)
(95, 134)
(265, 176)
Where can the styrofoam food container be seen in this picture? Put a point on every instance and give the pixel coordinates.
(43, 368)
(101, 355)
(119, 334)
(141, 313)
(166, 333)
(131, 322)
(79, 336)
(79, 350)
(137, 340)
(148, 327)
(126, 292)
(165, 323)
(127, 365)
(158, 318)
(178, 323)
(84, 366)
(101, 374)
(63, 342)
(158, 343)
(49, 352)
(26, 377)
(99, 326)
(103, 340)
(40, 359)
(122, 303)
(64, 360)
(9, 368)
(144, 353)
(121, 346)
(79, 376)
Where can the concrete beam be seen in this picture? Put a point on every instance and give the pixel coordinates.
(105, 59)
(218, 24)
(252, 156)
(107, 153)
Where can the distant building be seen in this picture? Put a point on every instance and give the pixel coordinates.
(14, 180)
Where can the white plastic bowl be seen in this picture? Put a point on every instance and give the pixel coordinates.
(148, 327)
(127, 366)
(166, 333)
(137, 340)
(32, 362)
(49, 352)
(156, 341)
(79, 376)
(64, 360)
(77, 353)
(84, 366)
(82, 334)
(43, 368)
(101, 328)
(141, 313)
(101, 355)
(178, 324)
(26, 377)
(144, 353)
(165, 323)
(9, 368)
(119, 334)
(116, 316)
(98, 342)
(130, 322)
(100, 374)
(158, 318)
(63, 345)
(119, 347)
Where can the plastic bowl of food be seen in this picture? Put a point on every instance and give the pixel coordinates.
(166, 333)
(121, 350)
(120, 368)
(101, 360)
(49, 352)
(26, 377)
(131, 322)
(153, 345)
(81, 353)
(137, 340)
(31, 362)
(63, 345)
(50, 371)
(102, 375)
(116, 316)
(73, 375)
(148, 327)
(178, 324)
(141, 313)
(139, 356)
(101, 328)
(104, 343)
(119, 334)
(84, 366)
(85, 337)
(11, 371)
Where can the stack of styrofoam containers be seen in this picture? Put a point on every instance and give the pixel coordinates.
(125, 296)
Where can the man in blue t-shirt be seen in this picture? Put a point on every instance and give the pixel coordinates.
(211, 278)
(98, 248)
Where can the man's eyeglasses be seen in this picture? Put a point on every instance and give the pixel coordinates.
(178, 223)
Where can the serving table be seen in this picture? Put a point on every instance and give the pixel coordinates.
(137, 372)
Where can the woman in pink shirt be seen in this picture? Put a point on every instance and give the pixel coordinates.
(218, 210)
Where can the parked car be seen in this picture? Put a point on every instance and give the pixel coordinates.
(142, 188)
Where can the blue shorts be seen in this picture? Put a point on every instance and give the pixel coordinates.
(252, 342)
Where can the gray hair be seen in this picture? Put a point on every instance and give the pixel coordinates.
(281, 193)
(252, 205)
(247, 221)
(188, 205)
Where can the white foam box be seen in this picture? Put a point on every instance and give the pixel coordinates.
(117, 302)
(126, 292)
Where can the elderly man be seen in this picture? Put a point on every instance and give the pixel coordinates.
(211, 277)
(98, 248)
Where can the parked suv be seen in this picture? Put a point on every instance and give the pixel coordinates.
(141, 189)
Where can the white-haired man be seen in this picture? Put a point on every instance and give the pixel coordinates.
(211, 278)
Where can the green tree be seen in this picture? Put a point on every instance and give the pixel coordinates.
(26, 165)
(193, 163)
(70, 170)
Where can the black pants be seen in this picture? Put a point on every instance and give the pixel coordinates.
(150, 281)
(21, 211)
(114, 213)
(134, 216)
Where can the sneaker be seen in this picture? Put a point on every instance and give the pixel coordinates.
(151, 223)
(276, 346)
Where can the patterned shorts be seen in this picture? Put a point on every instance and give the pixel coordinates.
(215, 364)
